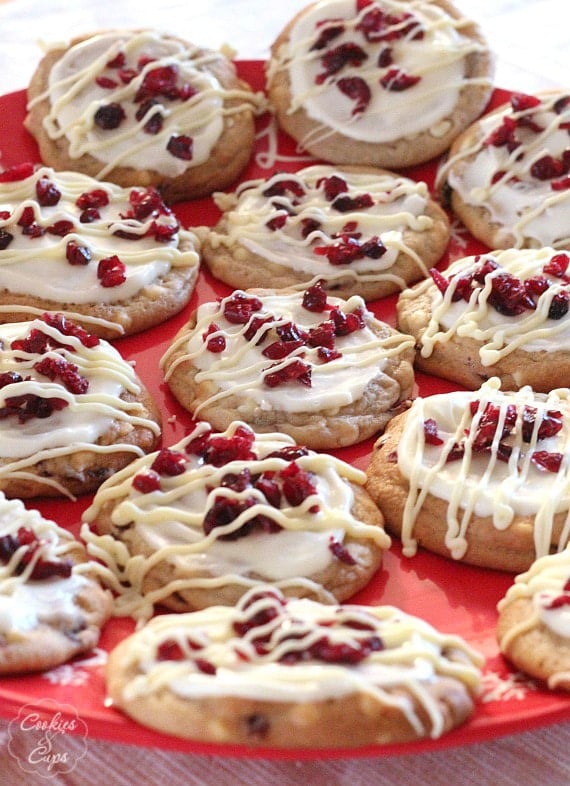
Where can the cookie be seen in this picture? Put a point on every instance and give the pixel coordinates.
(477, 476)
(113, 257)
(360, 231)
(502, 314)
(386, 83)
(52, 607)
(294, 673)
(532, 629)
(508, 175)
(72, 411)
(321, 369)
(208, 518)
(141, 108)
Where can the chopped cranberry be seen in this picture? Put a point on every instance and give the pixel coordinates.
(322, 335)
(385, 58)
(521, 102)
(89, 215)
(146, 202)
(159, 81)
(69, 328)
(562, 184)
(169, 462)
(214, 344)
(347, 323)
(5, 239)
(341, 552)
(334, 60)
(219, 450)
(147, 481)
(315, 298)
(269, 487)
(126, 75)
(333, 186)
(431, 435)
(296, 370)
(355, 88)
(280, 349)
(397, 80)
(297, 485)
(289, 452)
(30, 406)
(60, 228)
(547, 168)
(43, 569)
(239, 308)
(118, 61)
(550, 424)
(105, 82)
(76, 254)
(95, 198)
(111, 271)
(345, 203)
(28, 217)
(68, 373)
(224, 511)
(155, 121)
(330, 30)
(181, 147)
(276, 223)
(262, 617)
(504, 135)
(557, 265)
(282, 187)
(543, 459)
(109, 116)
(17, 172)
(254, 326)
(559, 305)
(48, 193)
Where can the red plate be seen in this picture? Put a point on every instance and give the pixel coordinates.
(453, 597)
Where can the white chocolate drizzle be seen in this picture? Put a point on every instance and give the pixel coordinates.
(170, 522)
(411, 655)
(437, 57)
(397, 206)
(479, 483)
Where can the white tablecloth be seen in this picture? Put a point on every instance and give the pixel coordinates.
(532, 41)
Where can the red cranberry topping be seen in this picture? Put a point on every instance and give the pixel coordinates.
(504, 135)
(69, 328)
(169, 462)
(398, 80)
(550, 424)
(295, 371)
(105, 82)
(378, 25)
(263, 616)
(355, 88)
(181, 147)
(89, 215)
(547, 168)
(280, 349)
(109, 116)
(431, 435)
(323, 649)
(347, 323)
(5, 239)
(255, 324)
(521, 102)
(146, 202)
(60, 228)
(333, 186)
(283, 187)
(118, 61)
(155, 121)
(30, 406)
(95, 198)
(48, 193)
(348, 249)
(239, 308)
(67, 372)
(341, 552)
(147, 481)
(276, 223)
(345, 203)
(219, 450)
(385, 58)
(315, 298)
(297, 485)
(557, 265)
(17, 172)
(214, 344)
(43, 569)
(323, 335)
(76, 254)
(559, 305)
(111, 271)
(334, 60)
(330, 29)
(159, 81)
(543, 459)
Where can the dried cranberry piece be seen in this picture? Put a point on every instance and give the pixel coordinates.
(111, 272)
(559, 305)
(355, 88)
(159, 81)
(297, 485)
(550, 424)
(224, 511)
(333, 186)
(181, 147)
(68, 373)
(262, 617)
(27, 217)
(214, 344)
(282, 187)
(9, 378)
(276, 223)
(95, 198)
(341, 552)
(504, 135)
(146, 202)
(330, 30)
(60, 228)
(254, 326)
(5, 239)
(147, 481)
(543, 459)
(43, 569)
(296, 371)
(345, 203)
(508, 295)
(289, 452)
(398, 80)
(546, 168)
(89, 215)
(269, 487)
(118, 61)
(219, 450)
(31, 406)
(347, 323)
(17, 172)
(105, 82)
(47, 192)
(562, 184)
(315, 298)
(77, 254)
(155, 121)
(521, 102)
(280, 349)
(385, 58)
(239, 308)
(169, 462)
(69, 328)
(557, 265)
(334, 60)
(323, 335)
(109, 116)
(431, 435)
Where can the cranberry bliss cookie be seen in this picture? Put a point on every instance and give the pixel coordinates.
(143, 108)
(532, 629)
(323, 370)
(51, 605)
(508, 175)
(116, 258)
(503, 314)
(360, 231)
(388, 83)
(477, 476)
(72, 411)
(293, 673)
(204, 520)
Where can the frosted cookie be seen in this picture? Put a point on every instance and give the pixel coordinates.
(361, 231)
(323, 370)
(51, 606)
(479, 476)
(387, 83)
(115, 256)
(502, 314)
(142, 108)
(508, 174)
(72, 411)
(205, 520)
(294, 674)
(533, 626)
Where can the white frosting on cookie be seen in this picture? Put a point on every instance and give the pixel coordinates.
(75, 96)
(36, 264)
(170, 526)
(429, 46)
(401, 655)
(397, 205)
(239, 371)
(85, 417)
(522, 473)
(499, 178)
(500, 334)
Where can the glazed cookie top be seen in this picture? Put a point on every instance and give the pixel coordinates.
(60, 391)
(327, 222)
(488, 453)
(376, 71)
(129, 98)
(515, 299)
(515, 162)
(297, 650)
(287, 351)
(234, 504)
(41, 570)
(69, 238)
